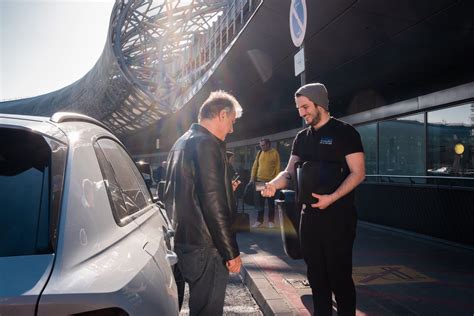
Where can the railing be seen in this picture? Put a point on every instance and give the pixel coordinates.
(431, 181)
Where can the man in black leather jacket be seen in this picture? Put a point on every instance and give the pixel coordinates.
(199, 199)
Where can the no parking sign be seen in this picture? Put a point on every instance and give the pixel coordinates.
(298, 19)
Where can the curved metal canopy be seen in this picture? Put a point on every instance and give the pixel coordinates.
(155, 52)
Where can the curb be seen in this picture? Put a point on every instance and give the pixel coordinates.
(270, 301)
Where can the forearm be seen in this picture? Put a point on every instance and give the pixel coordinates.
(349, 184)
(282, 180)
(356, 175)
(216, 213)
(285, 178)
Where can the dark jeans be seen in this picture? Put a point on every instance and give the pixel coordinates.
(260, 205)
(206, 274)
(327, 237)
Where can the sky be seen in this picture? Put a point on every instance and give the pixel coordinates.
(46, 45)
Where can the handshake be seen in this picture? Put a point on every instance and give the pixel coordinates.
(267, 189)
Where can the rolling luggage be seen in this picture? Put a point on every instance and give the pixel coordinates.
(289, 215)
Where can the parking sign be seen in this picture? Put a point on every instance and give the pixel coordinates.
(298, 19)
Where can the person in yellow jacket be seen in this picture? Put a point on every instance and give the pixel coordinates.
(265, 167)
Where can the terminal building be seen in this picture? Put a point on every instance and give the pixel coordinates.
(401, 72)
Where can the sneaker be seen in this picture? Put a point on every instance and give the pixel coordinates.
(257, 224)
(271, 225)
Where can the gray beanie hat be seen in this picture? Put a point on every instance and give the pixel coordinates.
(316, 92)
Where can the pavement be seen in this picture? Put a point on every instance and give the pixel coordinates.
(395, 272)
(238, 299)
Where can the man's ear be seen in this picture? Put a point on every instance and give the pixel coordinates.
(222, 114)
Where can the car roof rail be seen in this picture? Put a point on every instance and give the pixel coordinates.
(61, 117)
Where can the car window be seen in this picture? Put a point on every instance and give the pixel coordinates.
(25, 163)
(127, 190)
(146, 172)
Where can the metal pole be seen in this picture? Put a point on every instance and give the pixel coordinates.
(303, 79)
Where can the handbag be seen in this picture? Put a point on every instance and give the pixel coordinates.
(249, 193)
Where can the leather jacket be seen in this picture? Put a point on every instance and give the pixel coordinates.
(198, 193)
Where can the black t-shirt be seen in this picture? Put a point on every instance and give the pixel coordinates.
(332, 142)
(329, 144)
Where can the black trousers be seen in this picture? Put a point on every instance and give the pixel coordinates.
(207, 276)
(327, 237)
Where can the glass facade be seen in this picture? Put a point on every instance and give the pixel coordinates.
(436, 144)
(451, 141)
(368, 134)
(284, 149)
(402, 146)
(244, 156)
(443, 145)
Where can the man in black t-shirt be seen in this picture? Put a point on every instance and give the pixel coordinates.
(328, 224)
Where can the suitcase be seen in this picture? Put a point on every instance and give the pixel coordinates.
(289, 214)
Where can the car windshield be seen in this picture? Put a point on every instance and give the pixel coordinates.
(24, 193)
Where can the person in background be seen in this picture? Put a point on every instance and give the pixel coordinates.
(328, 226)
(160, 172)
(231, 171)
(265, 167)
(200, 201)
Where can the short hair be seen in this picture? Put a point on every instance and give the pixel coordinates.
(265, 140)
(218, 101)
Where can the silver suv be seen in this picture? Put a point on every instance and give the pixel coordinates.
(79, 233)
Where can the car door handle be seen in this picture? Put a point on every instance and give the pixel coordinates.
(170, 232)
(171, 257)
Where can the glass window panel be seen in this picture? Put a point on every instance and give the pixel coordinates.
(451, 141)
(124, 182)
(284, 149)
(252, 151)
(243, 160)
(368, 134)
(402, 146)
(113, 189)
(25, 161)
(239, 157)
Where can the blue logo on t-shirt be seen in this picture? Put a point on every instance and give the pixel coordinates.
(325, 140)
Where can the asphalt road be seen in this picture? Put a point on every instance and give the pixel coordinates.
(238, 300)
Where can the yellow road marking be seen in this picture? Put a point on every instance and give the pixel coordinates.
(374, 275)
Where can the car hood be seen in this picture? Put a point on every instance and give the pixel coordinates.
(22, 278)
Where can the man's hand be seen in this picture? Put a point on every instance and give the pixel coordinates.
(235, 184)
(324, 200)
(269, 190)
(233, 265)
